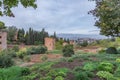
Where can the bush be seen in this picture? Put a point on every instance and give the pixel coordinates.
(118, 60)
(102, 51)
(6, 61)
(70, 59)
(68, 51)
(78, 69)
(25, 71)
(8, 52)
(59, 78)
(117, 72)
(105, 75)
(89, 67)
(46, 78)
(81, 76)
(105, 66)
(111, 50)
(118, 50)
(12, 73)
(37, 50)
(21, 54)
(16, 48)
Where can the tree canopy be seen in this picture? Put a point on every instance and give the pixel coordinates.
(2, 25)
(7, 5)
(107, 13)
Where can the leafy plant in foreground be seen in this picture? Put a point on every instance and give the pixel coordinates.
(68, 51)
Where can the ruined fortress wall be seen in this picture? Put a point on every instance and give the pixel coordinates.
(50, 43)
(3, 40)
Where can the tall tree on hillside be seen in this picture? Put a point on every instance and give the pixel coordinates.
(27, 38)
(12, 30)
(43, 34)
(21, 34)
(54, 35)
(107, 13)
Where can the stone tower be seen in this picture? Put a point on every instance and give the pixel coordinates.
(50, 43)
(3, 40)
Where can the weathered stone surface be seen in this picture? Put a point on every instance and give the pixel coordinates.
(50, 43)
(3, 40)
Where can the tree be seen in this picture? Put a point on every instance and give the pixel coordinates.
(7, 5)
(2, 25)
(20, 35)
(107, 13)
(12, 30)
(43, 34)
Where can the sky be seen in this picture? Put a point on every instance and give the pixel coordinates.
(60, 16)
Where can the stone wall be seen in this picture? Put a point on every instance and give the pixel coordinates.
(3, 40)
(50, 43)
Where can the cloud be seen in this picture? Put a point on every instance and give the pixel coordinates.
(62, 16)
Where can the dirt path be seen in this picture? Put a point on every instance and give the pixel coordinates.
(37, 58)
(90, 49)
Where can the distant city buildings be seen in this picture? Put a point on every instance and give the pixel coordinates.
(89, 40)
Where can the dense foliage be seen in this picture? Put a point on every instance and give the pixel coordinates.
(6, 61)
(68, 51)
(111, 50)
(30, 37)
(7, 5)
(107, 13)
(37, 50)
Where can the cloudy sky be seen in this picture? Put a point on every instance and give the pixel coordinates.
(62, 16)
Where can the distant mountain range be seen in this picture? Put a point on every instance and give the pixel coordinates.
(80, 36)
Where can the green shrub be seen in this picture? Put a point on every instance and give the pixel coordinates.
(61, 73)
(52, 73)
(31, 76)
(105, 75)
(106, 66)
(111, 50)
(117, 72)
(42, 49)
(37, 50)
(46, 78)
(78, 69)
(68, 51)
(102, 51)
(118, 60)
(118, 50)
(25, 71)
(16, 48)
(90, 74)
(89, 67)
(6, 61)
(12, 73)
(21, 54)
(70, 59)
(59, 78)
(81, 76)
(57, 72)
(8, 52)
